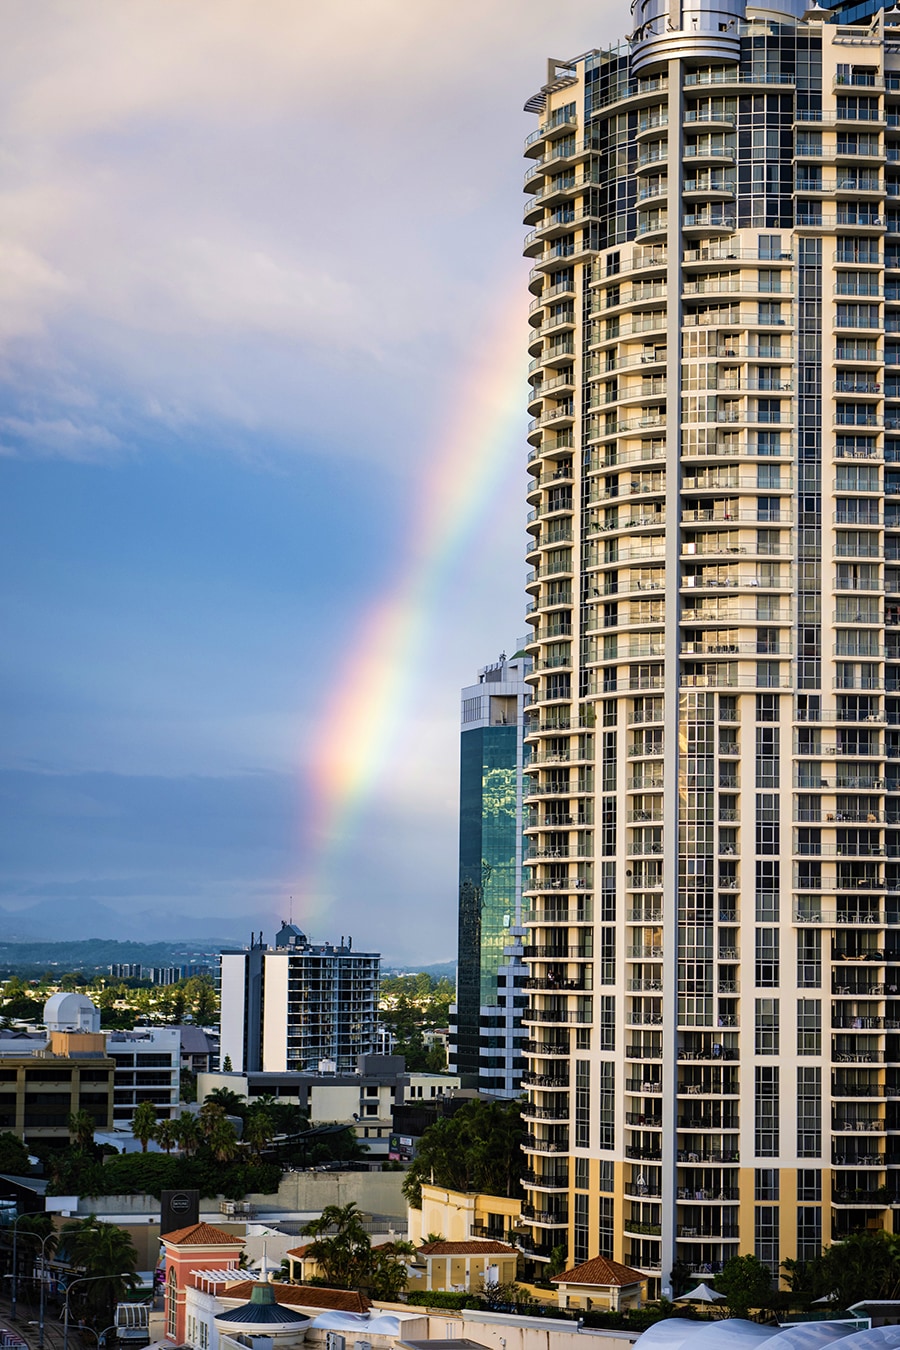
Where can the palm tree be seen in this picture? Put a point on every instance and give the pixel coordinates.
(232, 1103)
(218, 1133)
(188, 1132)
(108, 1257)
(81, 1129)
(143, 1124)
(345, 1257)
(167, 1134)
(259, 1130)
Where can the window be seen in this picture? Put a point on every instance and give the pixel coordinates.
(607, 1104)
(766, 1236)
(607, 1023)
(766, 1184)
(582, 1103)
(580, 1232)
(605, 1231)
(171, 1305)
(809, 1233)
(766, 1133)
(767, 1032)
(809, 1026)
(809, 1112)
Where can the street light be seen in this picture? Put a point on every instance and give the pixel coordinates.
(44, 1242)
(31, 1214)
(101, 1335)
(82, 1279)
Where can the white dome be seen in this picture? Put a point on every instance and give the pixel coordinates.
(71, 1012)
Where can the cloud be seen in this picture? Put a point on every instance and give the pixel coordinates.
(249, 211)
(63, 438)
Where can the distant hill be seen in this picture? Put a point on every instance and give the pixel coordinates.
(442, 970)
(98, 953)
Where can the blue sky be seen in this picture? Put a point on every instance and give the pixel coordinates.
(254, 254)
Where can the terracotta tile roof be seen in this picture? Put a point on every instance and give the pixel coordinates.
(305, 1296)
(298, 1252)
(599, 1271)
(202, 1235)
(471, 1247)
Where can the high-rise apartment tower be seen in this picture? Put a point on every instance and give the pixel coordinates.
(486, 1025)
(714, 804)
(298, 1005)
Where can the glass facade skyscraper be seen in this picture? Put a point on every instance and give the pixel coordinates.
(486, 1025)
(713, 789)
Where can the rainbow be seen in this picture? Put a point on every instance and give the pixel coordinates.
(459, 486)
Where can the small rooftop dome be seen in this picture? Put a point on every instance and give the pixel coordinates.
(262, 1315)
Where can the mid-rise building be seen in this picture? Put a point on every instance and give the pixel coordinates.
(297, 1005)
(486, 1023)
(714, 782)
(47, 1077)
(148, 1069)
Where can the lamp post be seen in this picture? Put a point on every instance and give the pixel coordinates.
(101, 1335)
(82, 1279)
(31, 1214)
(43, 1286)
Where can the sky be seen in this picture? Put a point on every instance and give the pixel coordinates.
(262, 415)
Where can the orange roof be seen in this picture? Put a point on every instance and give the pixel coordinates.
(202, 1235)
(599, 1271)
(471, 1247)
(305, 1296)
(299, 1252)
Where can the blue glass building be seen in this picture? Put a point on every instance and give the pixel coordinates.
(486, 1028)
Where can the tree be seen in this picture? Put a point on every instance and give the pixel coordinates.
(476, 1149)
(344, 1257)
(189, 1133)
(101, 1250)
(259, 1130)
(388, 1275)
(218, 1132)
(862, 1265)
(502, 1297)
(143, 1123)
(13, 1155)
(81, 1129)
(232, 1103)
(746, 1283)
(226, 1065)
(167, 1134)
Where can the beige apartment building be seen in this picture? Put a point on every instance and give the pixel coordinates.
(713, 794)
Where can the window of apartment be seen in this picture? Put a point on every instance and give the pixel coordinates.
(605, 1227)
(768, 760)
(605, 1181)
(809, 1026)
(607, 1022)
(809, 1233)
(607, 1111)
(767, 958)
(580, 1231)
(766, 1125)
(766, 1236)
(809, 1184)
(766, 1184)
(582, 1103)
(809, 1112)
(766, 1029)
(582, 1174)
(768, 885)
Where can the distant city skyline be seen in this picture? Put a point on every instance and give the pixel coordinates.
(261, 453)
